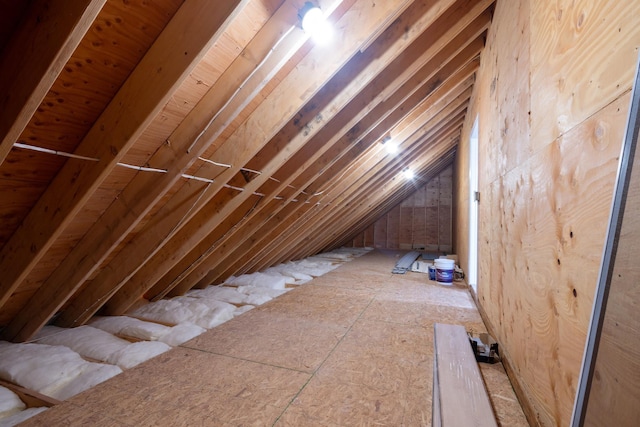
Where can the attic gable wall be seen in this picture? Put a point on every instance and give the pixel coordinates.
(422, 221)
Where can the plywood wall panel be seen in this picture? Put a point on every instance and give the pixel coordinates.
(582, 58)
(417, 221)
(509, 90)
(445, 215)
(419, 227)
(615, 388)
(552, 111)
(393, 229)
(369, 236)
(432, 214)
(380, 229)
(358, 241)
(406, 225)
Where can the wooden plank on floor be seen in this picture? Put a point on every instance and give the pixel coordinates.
(458, 385)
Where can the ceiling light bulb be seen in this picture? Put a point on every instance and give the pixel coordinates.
(407, 173)
(390, 146)
(315, 24)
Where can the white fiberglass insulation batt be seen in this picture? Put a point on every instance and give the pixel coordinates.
(100, 345)
(55, 371)
(181, 333)
(243, 294)
(258, 279)
(290, 270)
(220, 293)
(136, 353)
(200, 311)
(316, 267)
(130, 327)
(258, 295)
(17, 418)
(148, 331)
(243, 309)
(10, 403)
(60, 372)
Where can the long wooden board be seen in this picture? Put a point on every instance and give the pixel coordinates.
(460, 398)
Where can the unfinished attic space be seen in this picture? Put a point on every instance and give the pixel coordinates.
(319, 213)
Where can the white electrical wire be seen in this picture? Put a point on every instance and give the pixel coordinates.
(155, 170)
(197, 178)
(233, 187)
(224, 165)
(141, 168)
(251, 171)
(56, 152)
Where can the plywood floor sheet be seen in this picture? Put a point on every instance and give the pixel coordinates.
(353, 347)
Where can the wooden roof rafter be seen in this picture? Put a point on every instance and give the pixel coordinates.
(313, 163)
(51, 38)
(261, 59)
(301, 81)
(257, 147)
(341, 196)
(165, 65)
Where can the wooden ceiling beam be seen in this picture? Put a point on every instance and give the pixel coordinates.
(401, 89)
(283, 210)
(169, 60)
(364, 167)
(375, 178)
(482, 27)
(430, 170)
(305, 80)
(264, 56)
(366, 203)
(444, 96)
(348, 185)
(296, 243)
(352, 210)
(35, 56)
(196, 237)
(484, 24)
(367, 196)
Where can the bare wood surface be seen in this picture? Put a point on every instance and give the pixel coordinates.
(297, 173)
(359, 351)
(551, 111)
(462, 397)
(30, 397)
(51, 31)
(299, 81)
(615, 388)
(184, 147)
(137, 102)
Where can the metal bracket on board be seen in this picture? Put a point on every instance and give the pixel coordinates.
(485, 348)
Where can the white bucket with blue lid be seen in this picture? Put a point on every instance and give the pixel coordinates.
(444, 270)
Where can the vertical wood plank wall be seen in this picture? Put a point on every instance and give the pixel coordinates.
(423, 221)
(552, 98)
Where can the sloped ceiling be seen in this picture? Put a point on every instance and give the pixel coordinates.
(150, 147)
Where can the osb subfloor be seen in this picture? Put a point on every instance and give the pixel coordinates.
(351, 348)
